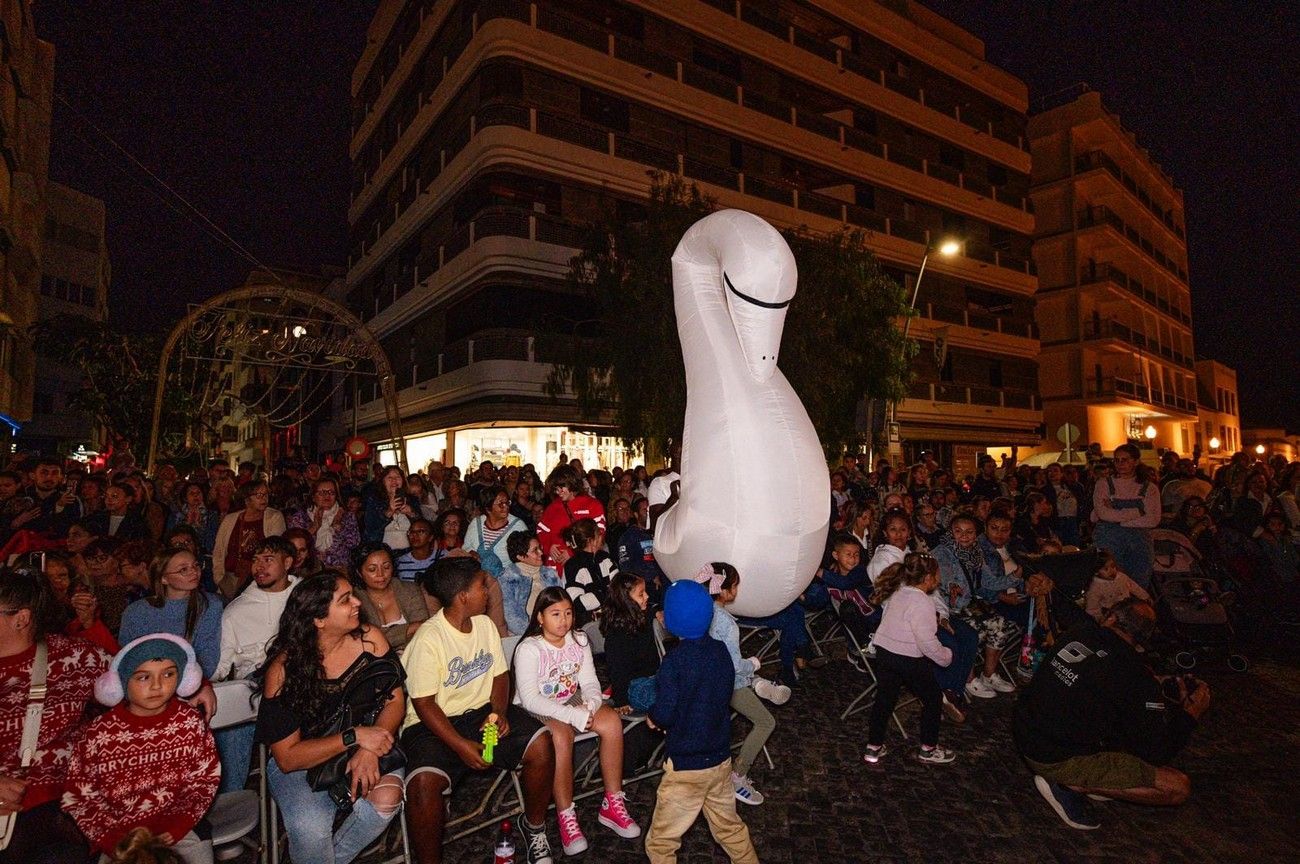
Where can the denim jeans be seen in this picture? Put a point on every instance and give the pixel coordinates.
(789, 623)
(965, 645)
(235, 745)
(309, 818)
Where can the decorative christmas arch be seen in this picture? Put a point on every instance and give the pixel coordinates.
(281, 330)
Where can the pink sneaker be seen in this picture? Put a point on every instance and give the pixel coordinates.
(614, 816)
(571, 837)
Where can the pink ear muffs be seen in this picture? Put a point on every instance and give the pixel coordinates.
(109, 689)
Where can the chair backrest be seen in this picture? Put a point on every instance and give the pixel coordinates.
(508, 648)
(661, 633)
(233, 703)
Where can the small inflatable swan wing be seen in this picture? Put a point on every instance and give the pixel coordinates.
(754, 491)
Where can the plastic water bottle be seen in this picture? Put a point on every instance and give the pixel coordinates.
(505, 848)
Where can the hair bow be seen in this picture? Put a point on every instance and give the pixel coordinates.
(708, 576)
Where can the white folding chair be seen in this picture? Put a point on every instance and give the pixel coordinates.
(860, 658)
(234, 816)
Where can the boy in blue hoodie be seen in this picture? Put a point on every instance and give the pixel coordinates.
(692, 704)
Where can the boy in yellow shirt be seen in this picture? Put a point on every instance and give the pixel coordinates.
(457, 675)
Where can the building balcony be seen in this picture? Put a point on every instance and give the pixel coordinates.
(599, 139)
(649, 63)
(1098, 160)
(1102, 216)
(1113, 388)
(1095, 330)
(973, 394)
(1109, 273)
(978, 320)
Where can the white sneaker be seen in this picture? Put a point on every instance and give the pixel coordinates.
(777, 694)
(977, 688)
(744, 789)
(998, 683)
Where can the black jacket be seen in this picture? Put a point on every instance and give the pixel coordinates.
(133, 526)
(1094, 693)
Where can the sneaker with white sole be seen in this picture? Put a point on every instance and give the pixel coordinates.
(744, 789)
(936, 755)
(572, 840)
(1071, 806)
(874, 754)
(977, 688)
(777, 694)
(614, 816)
(998, 683)
(537, 849)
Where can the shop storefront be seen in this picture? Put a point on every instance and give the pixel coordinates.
(512, 445)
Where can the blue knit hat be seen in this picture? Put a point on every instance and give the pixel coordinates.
(688, 611)
(110, 688)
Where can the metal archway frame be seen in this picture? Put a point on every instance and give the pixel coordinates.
(378, 356)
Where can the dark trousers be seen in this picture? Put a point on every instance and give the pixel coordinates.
(46, 835)
(965, 645)
(892, 672)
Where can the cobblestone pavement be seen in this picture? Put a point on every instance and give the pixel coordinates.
(825, 805)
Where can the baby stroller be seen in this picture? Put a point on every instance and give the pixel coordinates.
(1194, 611)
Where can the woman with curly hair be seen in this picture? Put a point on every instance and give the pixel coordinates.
(323, 648)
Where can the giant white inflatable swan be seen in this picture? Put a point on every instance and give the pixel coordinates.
(754, 489)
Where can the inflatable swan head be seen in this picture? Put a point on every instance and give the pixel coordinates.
(758, 276)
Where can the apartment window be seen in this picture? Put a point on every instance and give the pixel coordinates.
(995, 373)
(997, 175)
(712, 59)
(902, 67)
(952, 156)
(596, 107)
(864, 195)
(864, 121)
(954, 223)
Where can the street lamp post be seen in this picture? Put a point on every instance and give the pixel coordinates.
(947, 248)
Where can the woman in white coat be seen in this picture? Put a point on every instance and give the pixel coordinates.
(239, 533)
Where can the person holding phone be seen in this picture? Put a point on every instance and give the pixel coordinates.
(388, 510)
(78, 607)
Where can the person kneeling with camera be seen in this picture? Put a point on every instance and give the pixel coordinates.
(1097, 723)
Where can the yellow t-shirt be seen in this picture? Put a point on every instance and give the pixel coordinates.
(457, 668)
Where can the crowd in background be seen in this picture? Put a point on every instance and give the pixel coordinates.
(303, 578)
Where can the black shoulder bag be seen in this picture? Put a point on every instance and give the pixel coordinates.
(365, 694)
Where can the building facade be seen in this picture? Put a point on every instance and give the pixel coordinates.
(75, 275)
(487, 132)
(1114, 302)
(26, 91)
(1219, 428)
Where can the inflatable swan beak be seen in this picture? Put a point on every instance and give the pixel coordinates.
(758, 325)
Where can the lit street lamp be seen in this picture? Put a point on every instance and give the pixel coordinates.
(947, 247)
(1259, 448)
(1214, 444)
(1151, 433)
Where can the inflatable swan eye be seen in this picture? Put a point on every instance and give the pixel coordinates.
(733, 280)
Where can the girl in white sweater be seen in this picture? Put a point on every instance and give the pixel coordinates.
(555, 681)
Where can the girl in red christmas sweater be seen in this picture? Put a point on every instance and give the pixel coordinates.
(150, 761)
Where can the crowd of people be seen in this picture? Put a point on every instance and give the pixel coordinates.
(367, 609)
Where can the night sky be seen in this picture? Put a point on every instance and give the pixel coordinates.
(243, 108)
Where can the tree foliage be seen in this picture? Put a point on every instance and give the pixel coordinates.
(119, 374)
(841, 343)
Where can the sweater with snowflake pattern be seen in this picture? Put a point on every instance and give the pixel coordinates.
(74, 664)
(158, 772)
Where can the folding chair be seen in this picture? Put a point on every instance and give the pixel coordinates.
(859, 659)
(234, 816)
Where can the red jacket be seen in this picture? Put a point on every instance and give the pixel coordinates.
(561, 514)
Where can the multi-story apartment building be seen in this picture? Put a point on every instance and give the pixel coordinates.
(1219, 418)
(1114, 303)
(75, 276)
(486, 132)
(26, 89)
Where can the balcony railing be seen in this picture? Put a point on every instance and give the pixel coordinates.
(1103, 215)
(1112, 387)
(1094, 329)
(973, 394)
(1114, 275)
(1095, 159)
(979, 321)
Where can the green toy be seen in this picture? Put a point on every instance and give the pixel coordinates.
(490, 733)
